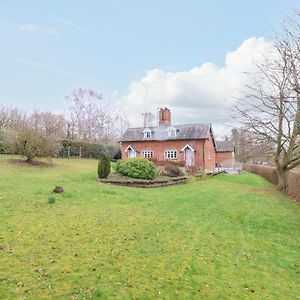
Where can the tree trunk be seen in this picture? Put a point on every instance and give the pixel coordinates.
(282, 180)
(29, 159)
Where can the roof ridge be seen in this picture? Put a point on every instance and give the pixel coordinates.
(161, 126)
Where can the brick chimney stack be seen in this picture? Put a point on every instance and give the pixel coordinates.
(164, 117)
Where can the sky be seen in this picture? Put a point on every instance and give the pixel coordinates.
(188, 55)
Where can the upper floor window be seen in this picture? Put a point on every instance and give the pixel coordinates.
(170, 154)
(172, 131)
(147, 153)
(147, 133)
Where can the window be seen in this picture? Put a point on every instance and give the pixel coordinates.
(172, 131)
(170, 154)
(147, 133)
(147, 153)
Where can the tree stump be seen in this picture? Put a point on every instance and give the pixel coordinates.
(58, 189)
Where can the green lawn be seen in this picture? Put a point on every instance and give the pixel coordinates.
(227, 237)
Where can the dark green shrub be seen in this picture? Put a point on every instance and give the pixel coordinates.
(140, 168)
(51, 199)
(172, 170)
(104, 166)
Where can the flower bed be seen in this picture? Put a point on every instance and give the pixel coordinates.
(118, 179)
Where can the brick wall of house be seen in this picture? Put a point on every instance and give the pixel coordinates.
(210, 155)
(226, 159)
(158, 148)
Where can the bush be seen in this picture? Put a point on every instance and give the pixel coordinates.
(162, 163)
(140, 168)
(172, 170)
(104, 166)
(51, 199)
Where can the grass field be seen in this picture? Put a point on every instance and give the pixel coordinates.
(227, 237)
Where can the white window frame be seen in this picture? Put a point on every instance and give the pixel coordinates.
(147, 153)
(170, 154)
(147, 133)
(172, 132)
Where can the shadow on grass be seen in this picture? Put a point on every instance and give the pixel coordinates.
(34, 163)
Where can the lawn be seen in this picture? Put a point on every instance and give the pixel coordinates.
(226, 237)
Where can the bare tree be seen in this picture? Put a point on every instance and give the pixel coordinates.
(91, 120)
(88, 115)
(36, 135)
(249, 148)
(9, 116)
(119, 122)
(271, 106)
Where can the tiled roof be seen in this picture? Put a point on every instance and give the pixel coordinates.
(160, 133)
(224, 146)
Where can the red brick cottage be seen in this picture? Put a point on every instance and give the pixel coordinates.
(194, 144)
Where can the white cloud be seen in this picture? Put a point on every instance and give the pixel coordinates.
(203, 94)
(29, 27)
(40, 29)
(52, 31)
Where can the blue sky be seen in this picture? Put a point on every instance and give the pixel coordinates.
(50, 47)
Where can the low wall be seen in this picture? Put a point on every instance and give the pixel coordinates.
(270, 174)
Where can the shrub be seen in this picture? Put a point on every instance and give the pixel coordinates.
(179, 163)
(140, 168)
(172, 170)
(161, 163)
(192, 170)
(104, 166)
(51, 199)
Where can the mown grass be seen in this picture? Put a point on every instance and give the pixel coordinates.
(227, 237)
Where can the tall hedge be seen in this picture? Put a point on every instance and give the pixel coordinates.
(140, 168)
(104, 166)
(89, 150)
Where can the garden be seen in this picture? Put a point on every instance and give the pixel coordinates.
(142, 172)
(225, 237)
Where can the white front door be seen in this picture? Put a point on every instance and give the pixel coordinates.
(131, 153)
(189, 157)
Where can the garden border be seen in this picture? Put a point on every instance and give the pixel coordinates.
(157, 183)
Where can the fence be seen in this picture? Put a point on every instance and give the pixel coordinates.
(270, 174)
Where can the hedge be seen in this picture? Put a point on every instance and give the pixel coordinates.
(270, 174)
(89, 150)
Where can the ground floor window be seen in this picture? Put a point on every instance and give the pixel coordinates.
(170, 154)
(147, 153)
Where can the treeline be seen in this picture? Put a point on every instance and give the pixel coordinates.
(87, 129)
